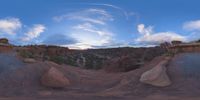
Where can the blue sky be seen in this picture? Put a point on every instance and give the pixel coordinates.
(85, 24)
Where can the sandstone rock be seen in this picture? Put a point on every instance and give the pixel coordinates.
(157, 76)
(29, 60)
(52, 64)
(5, 48)
(54, 78)
(4, 41)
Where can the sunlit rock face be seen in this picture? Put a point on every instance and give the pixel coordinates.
(184, 48)
(4, 41)
(29, 60)
(157, 76)
(5, 46)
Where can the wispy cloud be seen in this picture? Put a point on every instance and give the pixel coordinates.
(78, 46)
(97, 16)
(34, 32)
(124, 12)
(192, 25)
(89, 35)
(10, 25)
(115, 7)
(91, 28)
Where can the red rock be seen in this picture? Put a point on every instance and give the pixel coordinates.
(4, 41)
(29, 60)
(54, 78)
(157, 76)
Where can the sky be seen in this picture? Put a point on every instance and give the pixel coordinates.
(83, 24)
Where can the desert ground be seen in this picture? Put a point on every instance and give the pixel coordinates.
(20, 80)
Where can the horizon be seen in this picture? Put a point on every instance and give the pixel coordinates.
(78, 24)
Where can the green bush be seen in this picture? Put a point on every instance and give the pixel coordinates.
(64, 60)
(71, 61)
(26, 54)
(171, 54)
(58, 59)
(93, 62)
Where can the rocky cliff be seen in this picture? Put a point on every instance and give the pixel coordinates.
(113, 59)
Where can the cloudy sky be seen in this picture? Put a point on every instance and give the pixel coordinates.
(83, 24)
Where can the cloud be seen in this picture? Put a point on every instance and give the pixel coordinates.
(145, 31)
(10, 25)
(105, 14)
(115, 7)
(59, 39)
(34, 32)
(124, 12)
(96, 16)
(87, 19)
(89, 35)
(192, 25)
(149, 37)
(90, 28)
(78, 46)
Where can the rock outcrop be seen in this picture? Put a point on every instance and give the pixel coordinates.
(5, 46)
(157, 76)
(54, 78)
(29, 60)
(112, 60)
(4, 41)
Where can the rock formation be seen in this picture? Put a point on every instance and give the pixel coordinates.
(112, 59)
(4, 41)
(157, 76)
(5, 46)
(54, 78)
(29, 60)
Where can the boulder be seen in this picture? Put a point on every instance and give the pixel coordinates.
(54, 78)
(157, 76)
(29, 60)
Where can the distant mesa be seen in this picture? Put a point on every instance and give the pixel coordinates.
(176, 42)
(5, 46)
(4, 41)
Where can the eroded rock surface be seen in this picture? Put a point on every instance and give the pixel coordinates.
(54, 78)
(29, 60)
(157, 76)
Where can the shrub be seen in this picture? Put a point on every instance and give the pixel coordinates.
(58, 59)
(93, 62)
(71, 61)
(26, 54)
(171, 54)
